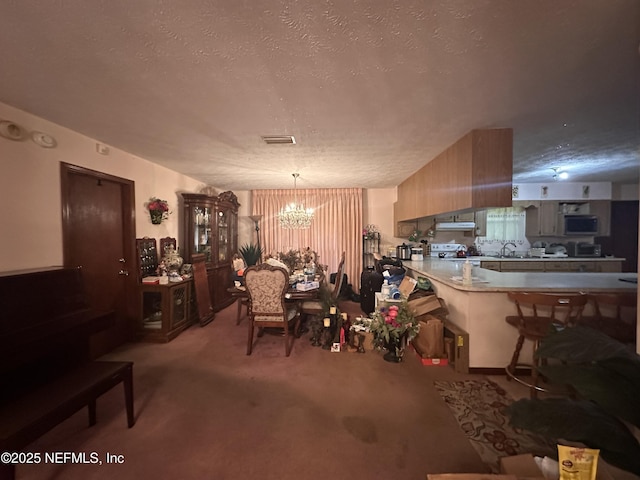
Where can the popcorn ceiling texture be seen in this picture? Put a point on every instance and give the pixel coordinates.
(372, 90)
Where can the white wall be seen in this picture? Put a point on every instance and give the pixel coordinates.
(31, 231)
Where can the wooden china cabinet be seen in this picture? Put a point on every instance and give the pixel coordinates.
(211, 228)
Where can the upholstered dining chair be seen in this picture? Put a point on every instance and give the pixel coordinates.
(267, 286)
(315, 307)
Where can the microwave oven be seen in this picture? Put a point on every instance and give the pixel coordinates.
(579, 249)
(570, 225)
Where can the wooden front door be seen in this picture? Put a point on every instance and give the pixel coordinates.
(98, 235)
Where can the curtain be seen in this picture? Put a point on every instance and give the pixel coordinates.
(506, 224)
(336, 226)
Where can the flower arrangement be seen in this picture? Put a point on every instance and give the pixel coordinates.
(393, 325)
(158, 210)
(370, 232)
(299, 259)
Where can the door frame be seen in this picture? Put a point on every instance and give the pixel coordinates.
(128, 229)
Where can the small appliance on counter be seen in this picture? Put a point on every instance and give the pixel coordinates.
(403, 252)
(583, 249)
(416, 254)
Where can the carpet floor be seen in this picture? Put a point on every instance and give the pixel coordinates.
(206, 410)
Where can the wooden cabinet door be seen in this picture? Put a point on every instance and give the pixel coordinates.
(541, 219)
(490, 265)
(608, 266)
(548, 218)
(602, 209)
(480, 217)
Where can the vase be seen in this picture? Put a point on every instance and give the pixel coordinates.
(395, 349)
(172, 260)
(156, 216)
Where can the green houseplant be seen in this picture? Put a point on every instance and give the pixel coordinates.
(251, 253)
(605, 376)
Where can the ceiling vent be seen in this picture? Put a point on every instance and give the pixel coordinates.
(279, 139)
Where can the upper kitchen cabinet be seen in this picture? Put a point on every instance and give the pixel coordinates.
(473, 173)
(541, 219)
(602, 210)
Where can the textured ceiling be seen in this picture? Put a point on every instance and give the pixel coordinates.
(371, 90)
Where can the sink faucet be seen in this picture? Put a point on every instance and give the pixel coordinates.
(503, 250)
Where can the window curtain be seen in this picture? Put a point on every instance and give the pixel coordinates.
(506, 224)
(336, 226)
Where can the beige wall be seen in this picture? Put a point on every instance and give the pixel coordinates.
(31, 228)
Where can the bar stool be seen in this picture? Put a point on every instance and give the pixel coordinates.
(545, 312)
(614, 315)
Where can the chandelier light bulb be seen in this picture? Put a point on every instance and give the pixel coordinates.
(294, 215)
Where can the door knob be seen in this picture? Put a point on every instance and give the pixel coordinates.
(123, 272)
(122, 260)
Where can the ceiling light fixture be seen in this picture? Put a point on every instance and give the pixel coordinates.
(279, 139)
(294, 215)
(559, 175)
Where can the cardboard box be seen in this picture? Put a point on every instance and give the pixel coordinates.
(470, 476)
(407, 285)
(423, 305)
(522, 466)
(460, 344)
(305, 286)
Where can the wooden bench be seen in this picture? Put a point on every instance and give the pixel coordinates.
(45, 325)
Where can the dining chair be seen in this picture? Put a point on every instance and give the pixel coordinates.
(538, 315)
(267, 286)
(316, 307)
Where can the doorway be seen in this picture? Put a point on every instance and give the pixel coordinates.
(98, 234)
(623, 241)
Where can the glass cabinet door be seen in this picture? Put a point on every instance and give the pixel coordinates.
(202, 231)
(224, 254)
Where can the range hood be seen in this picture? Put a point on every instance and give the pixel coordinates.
(455, 226)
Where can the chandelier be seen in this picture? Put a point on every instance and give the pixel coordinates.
(294, 215)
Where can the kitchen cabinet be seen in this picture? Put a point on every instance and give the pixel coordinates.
(573, 266)
(523, 266)
(164, 310)
(405, 229)
(541, 219)
(459, 217)
(610, 266)
(602, 209)
(552, 266)
(473, 173)
(211, 228)
(480, 218)
(490, 265)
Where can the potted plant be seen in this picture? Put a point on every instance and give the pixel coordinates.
(251, 253)
(393, 327)
(158, 210)
(605, 376)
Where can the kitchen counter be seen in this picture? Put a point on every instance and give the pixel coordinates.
(480, 308)
(446, 269)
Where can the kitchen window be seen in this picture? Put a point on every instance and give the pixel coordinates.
(506, 224)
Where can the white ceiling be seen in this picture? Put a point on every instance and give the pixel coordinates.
(371, 90)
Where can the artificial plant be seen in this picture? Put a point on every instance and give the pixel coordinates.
(605, 376)
(251, 253)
